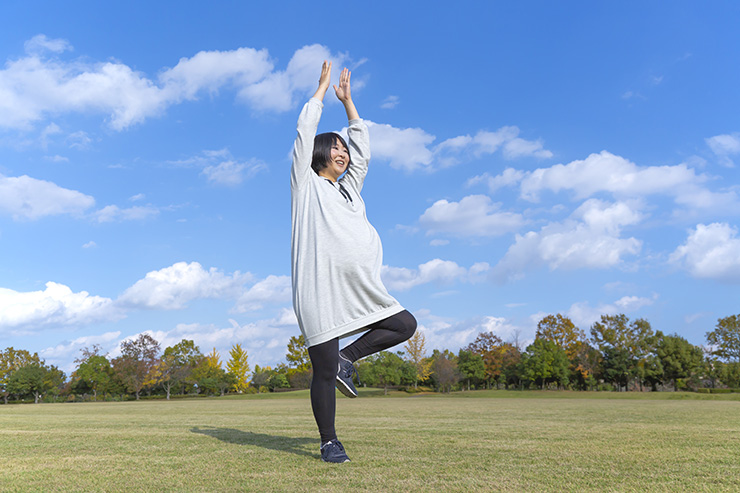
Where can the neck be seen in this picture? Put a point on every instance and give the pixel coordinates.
(324, 174)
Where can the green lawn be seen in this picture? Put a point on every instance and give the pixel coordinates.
(505, 441)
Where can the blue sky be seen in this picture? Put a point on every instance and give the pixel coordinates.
(528, 159)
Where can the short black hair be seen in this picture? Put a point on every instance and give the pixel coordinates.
(322, 144)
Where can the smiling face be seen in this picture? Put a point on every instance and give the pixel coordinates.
(338, 162)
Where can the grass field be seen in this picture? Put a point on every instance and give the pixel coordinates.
(483, 441)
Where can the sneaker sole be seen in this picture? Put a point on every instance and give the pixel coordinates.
(331, 462)
(344, 389)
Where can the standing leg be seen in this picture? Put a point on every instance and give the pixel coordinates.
(324, 360)
(381, 335)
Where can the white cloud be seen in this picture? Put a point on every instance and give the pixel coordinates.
(49, 130)
(584, 315)
(78, 140)
(441, 333)
(711, 252)
(41, 83)
(64, 353)
(41, 43)
(509, 177)
(590, 238)
(271, 290)
(474, 215)
(634, 303)
(231, 173)
(405, 149)
(411, 149)
(90, 244)
(111, 213)
(211, 70)
(24, 197)
(264, 340)
(607, 173)
(278, 90)
(434, 271)
(174, 287)
(517, 147)
(390, 102)
(57, 305)
(724, 146)
(221, 168)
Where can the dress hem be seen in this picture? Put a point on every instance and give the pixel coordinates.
(354, 327)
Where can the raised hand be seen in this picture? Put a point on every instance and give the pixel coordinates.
(343, 91)
(324, 81)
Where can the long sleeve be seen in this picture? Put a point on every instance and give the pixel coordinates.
(359, 148)
(308, 122)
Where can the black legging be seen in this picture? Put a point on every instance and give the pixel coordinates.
(325, 361)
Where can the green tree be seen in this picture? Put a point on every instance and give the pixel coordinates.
(493, 351)
(138, 363)
(209, 376)
(729, 374)
(10, 361)
(29, 380)
(278, 379)
(635, 338)
(299, 371)
(617, 365)
(260, 376)
(54, 380)
(471, 367)
(652, 371)
(176, 366)
(445, 371)
(544, 362)
(96, 373)
(238, 366)
(563, 332)
(386, 369)
(725, 339)
(679, 358)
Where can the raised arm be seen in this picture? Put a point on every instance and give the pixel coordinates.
(359, 141)
(344, 94)
(324, 81)
(308, 122)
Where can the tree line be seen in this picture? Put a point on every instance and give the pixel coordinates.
(618, 354)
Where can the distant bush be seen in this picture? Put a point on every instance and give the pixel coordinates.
(718, 391)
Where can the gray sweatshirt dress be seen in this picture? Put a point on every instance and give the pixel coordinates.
(336, 253)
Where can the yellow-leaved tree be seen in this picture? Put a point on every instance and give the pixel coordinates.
(416, 353)
(239, 368)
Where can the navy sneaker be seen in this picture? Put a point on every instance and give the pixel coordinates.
(333, 451)
(344, 377)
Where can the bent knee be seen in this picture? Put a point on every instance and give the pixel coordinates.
(408, 323)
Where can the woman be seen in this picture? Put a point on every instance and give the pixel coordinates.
(336, 259)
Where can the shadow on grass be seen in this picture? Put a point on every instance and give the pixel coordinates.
(296, 446)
